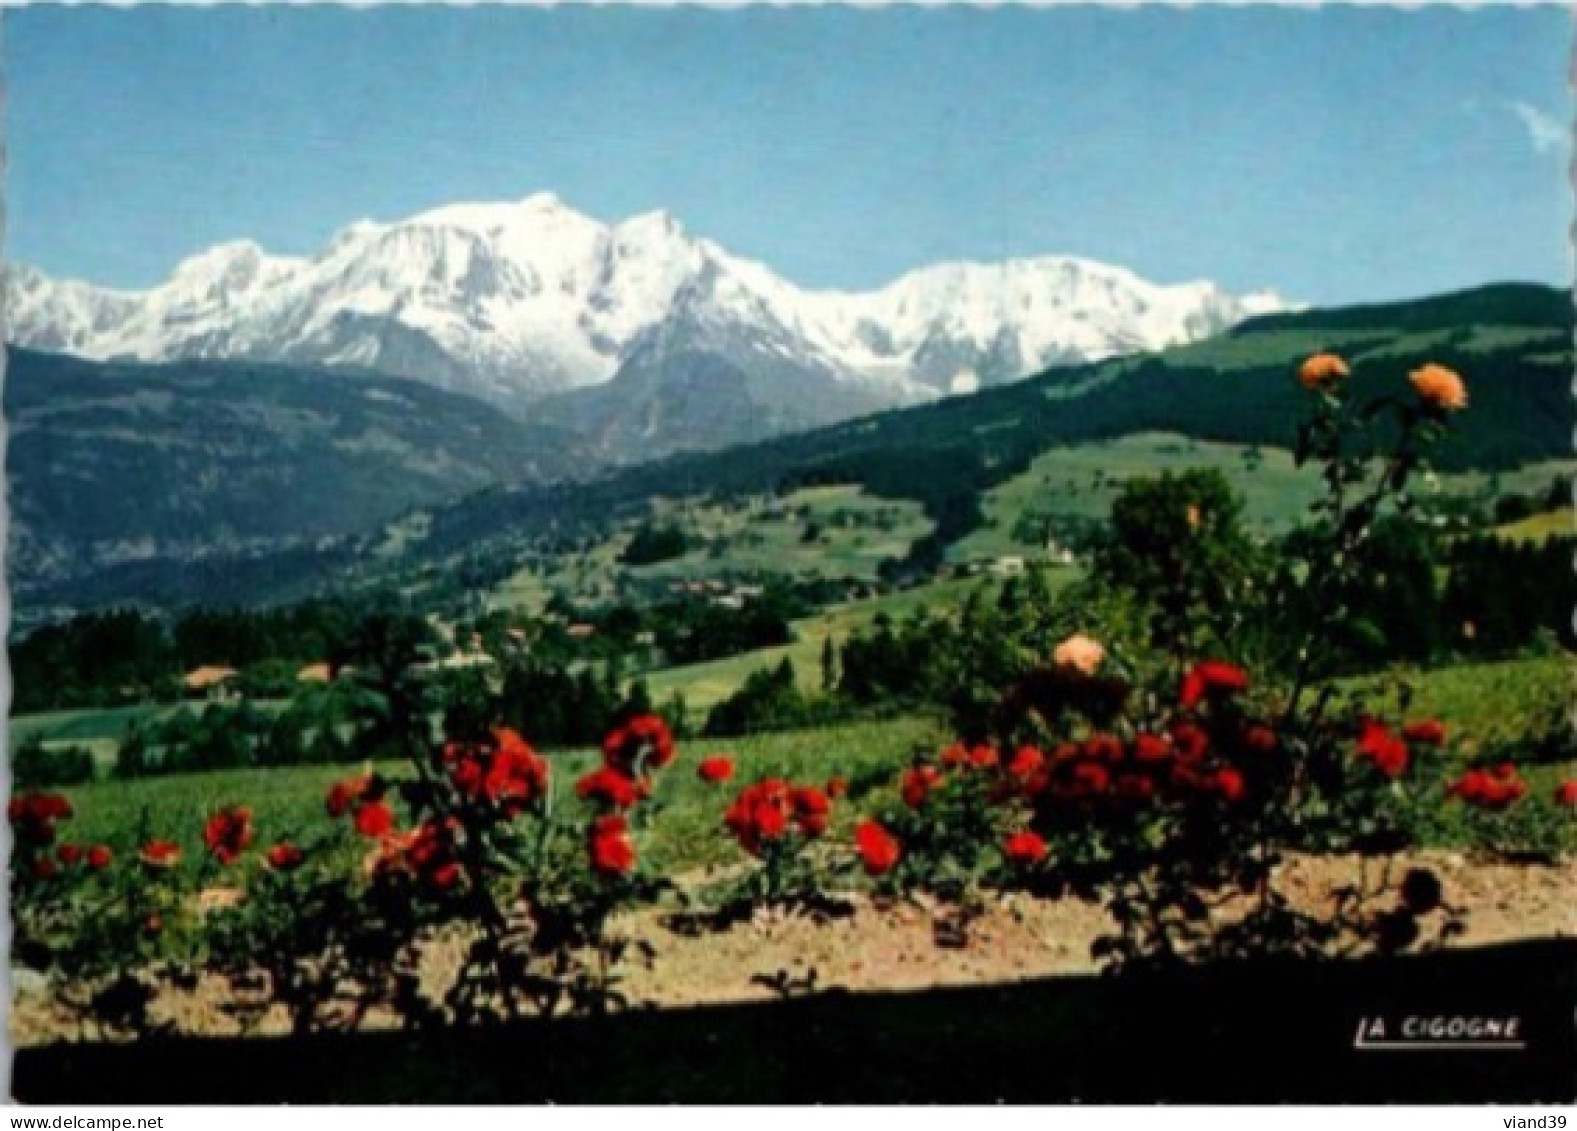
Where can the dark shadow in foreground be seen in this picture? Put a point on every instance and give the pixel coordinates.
(1263, 1031)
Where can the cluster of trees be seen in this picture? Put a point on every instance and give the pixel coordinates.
(770, 700)
(318, 727)
(355, 720)
(1500, 596)
(1173, 575)
(94, 660)
(956, 663)
(561, 708)
(126, 656)
(35, 766)
(1513, 507)
(655, 542)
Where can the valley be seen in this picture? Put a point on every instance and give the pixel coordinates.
(828, 608)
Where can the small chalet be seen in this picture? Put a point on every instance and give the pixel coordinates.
(210, 681)
(315, 673)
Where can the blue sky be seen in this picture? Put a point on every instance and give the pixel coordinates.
(1337, 155)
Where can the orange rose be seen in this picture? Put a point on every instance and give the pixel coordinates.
(1439, 388)
(1080, 653)
(1322, 370)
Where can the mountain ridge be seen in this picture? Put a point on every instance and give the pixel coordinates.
(1512, 343)
(514, 301)
(112, 464)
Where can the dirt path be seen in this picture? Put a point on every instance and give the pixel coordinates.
(886, 948)
(1020, 937)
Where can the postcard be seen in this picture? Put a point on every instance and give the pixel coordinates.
(786, 555)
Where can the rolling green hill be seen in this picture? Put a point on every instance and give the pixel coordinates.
(1512, 343)
(137, 466)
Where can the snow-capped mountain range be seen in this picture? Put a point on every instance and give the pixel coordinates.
(513, 302)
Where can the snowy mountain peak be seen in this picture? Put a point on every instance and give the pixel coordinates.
(517, 299)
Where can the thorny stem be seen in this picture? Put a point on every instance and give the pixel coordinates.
(1350, 540)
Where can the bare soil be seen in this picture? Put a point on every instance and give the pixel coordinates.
(894, 947)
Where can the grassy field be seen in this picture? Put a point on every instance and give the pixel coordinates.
(1480, 703)
(1489, 701)
(1560, 523)
(705, 685)
(819, 532)
(1081, 482)
(101, 730)
(289, 802)
(87, 725)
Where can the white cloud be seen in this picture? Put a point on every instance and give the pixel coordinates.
(1546, 132)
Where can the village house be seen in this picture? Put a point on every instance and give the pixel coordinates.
(211, 682)
(315, 673)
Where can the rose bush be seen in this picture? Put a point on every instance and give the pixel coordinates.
(1168, 781)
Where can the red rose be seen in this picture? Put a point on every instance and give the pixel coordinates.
(1103, 748)
(917, 784)
(228, 833)
(1026, 763)
(34, 816)
(1091, 778)
(1387, 752)
(1134, 787)
(69, 854)
(879, 850)
(160, 854)
(432, 854)
(1426, 732)
(765, 811)
(608, 787)
(44, 868)
(837, 787)
(1150, 748)
(343, 794)
(762, 802)
(770, 821)
(1190, 741)
(99, 857)
(716, 769)
(1025, 848)
(516, 775)
(1212, 678)
(1470, 787)
(611, 847)
(811, 810)
(1566, 794)
(955, 755)
(1229, 785)
(1489, 790)
(374, 819)
(983, 758)
(1261, 740)
(427, 854)
(468, 770)
(284, 857)
(645, 742)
